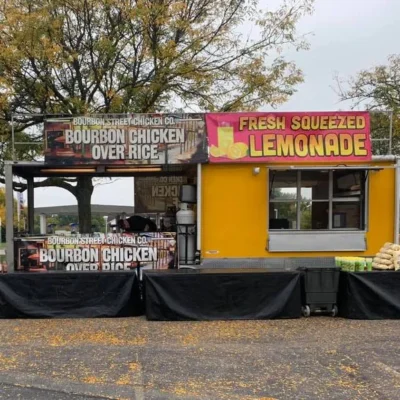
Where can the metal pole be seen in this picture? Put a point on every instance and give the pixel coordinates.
(8, 172)
(298, 201)
(12, 138)
(31, 205)
(397, 203)
(199, 205)
(391, 133)
(18, 210)
(43, 224)
(117, 225)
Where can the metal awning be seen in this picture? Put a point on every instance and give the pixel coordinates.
(96, 209)
(328, 168)
(39, 169)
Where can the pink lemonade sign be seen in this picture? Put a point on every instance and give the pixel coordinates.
(288, 137)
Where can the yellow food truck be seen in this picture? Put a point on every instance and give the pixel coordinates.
(295, 185)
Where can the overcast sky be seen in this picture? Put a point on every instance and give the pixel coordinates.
(347, 36)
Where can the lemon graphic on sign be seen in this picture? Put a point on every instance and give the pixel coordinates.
(216, 151)
(235, 152)
(222, 150)
(243, 148)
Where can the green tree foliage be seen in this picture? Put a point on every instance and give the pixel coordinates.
(378, 89)
(116, 56)
(63, 222)
(23, 216)
(288, 210)
(382, 123)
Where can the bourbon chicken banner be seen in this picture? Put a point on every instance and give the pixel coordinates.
(126, 139)
(112, 252)
(289, 137)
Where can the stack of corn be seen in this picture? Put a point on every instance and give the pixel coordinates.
(387, 257)
(354, 264)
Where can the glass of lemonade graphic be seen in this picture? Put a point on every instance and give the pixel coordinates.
(225, 136)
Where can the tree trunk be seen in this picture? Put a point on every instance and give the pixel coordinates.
(84, 190)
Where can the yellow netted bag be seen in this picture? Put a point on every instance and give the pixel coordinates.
(396, 260)
(379, 260)
(381, 266)
(386, 256)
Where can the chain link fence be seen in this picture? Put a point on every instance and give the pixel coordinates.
(385, 133)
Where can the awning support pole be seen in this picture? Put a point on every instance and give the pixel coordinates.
(199, 205)
(31, 206)
(8, 172)
(391, 133)
(397, 203)
(43, 224)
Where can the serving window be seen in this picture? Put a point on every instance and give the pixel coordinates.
(317, 200)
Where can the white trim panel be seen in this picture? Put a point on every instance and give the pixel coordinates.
(302, 241)
(199, 205)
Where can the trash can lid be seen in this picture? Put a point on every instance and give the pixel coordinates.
(320, 269)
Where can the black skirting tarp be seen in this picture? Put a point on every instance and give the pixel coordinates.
(369, 295)
(221, 294)
(69, 295)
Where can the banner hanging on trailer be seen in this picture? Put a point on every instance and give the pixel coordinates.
(289, 137)
(138, 139)
(158, 193)
(112, 252)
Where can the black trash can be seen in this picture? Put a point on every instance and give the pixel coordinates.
(319, 290)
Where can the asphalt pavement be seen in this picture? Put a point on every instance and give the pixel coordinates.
(313, 358)
(18, 392)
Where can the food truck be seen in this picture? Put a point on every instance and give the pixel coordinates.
(162, 151)
(268, 187)
(295, 185)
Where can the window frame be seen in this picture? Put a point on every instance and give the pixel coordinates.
(362, 200)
